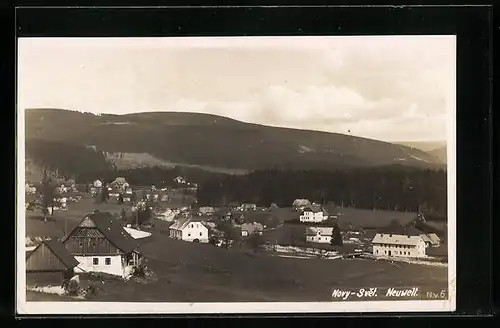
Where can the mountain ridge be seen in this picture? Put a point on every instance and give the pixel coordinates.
(216, 141)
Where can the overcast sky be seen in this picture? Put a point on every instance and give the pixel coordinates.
(385, 88)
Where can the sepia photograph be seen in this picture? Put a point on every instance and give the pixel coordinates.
(236, 174)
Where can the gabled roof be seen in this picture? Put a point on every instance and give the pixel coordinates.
(251, 227)
(206, 209)
(110, 228)
(181, 223)
(59, 251)
(433, 238)
(323, 231)
(425, 238)
(396, 239)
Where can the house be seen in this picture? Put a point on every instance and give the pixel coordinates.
(248, 207)
(189, 229)
(206, 210)
(100, 244)
(180, 180)
(320, 235)
(234, 206)
(313, 213)
(97, 184)
(398, 245)
(248, 229)
(49, 262)
(431, 240)
(300, 204)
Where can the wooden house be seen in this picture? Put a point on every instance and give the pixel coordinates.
(50, 262)
(100, 244)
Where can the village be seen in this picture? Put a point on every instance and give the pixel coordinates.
(112, 231)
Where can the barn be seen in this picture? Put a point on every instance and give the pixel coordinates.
(49, 263)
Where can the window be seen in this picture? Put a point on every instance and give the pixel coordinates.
(385, 252)
(95, 261)
(93, 244)
(108, 261)
(80, 244)
(192, 225)
(201, 233)
(189, 235)
(376, 251)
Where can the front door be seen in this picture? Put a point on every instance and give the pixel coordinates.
(389, 253)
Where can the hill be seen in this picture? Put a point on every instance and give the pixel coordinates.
(215, 142)
(440, 153)
(426, 146)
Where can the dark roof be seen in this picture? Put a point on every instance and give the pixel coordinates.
(112, 230)
(61, 252)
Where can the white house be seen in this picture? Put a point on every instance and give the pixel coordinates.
(398, 245)
(313, 213)
(320, 235)
(189, 229)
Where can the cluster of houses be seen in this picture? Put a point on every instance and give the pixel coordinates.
(98, 243)
(63, 196)
(186, 184)
(411, 244)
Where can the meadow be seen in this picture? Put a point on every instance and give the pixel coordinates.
(187, 272)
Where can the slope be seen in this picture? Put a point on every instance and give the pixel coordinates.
(214, 141)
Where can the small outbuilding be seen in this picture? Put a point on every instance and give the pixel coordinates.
(50, 263)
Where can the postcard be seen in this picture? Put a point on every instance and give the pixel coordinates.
(201, 175)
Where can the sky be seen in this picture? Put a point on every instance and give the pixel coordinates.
(385, 88)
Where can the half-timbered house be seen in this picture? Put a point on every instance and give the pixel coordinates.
(100, 244)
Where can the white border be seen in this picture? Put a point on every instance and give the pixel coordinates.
(94, 308)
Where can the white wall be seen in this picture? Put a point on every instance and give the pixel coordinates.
(400, 251)
(87, 264)
(319, 239)
(195, 230)
(312, 217)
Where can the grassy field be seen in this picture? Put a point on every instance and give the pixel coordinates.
(187, 272)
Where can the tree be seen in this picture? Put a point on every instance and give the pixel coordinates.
(228, 233)
(255, 241)
(120, 198)
(123, 214)
(297, 235)
(104, 194)
(48, 192)
(336, 236)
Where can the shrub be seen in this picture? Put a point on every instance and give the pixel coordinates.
(71, 287)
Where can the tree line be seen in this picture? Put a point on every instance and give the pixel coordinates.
(383, 188)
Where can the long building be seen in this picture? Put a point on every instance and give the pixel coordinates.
(393, 245)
